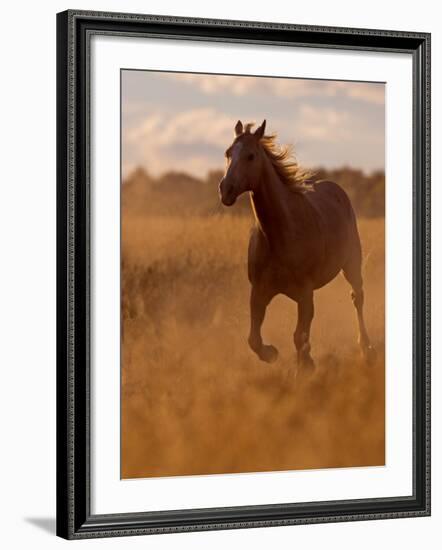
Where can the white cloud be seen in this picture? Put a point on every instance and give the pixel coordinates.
(194, 128)
(289, 88)
(206, 125)
(194, 140)
(323, 123)
(368, 92)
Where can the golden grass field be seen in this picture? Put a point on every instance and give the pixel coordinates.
(196, 400)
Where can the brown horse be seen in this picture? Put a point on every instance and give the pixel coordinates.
(305, 234)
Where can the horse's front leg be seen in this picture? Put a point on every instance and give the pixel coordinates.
(301, 336)
(259, 300)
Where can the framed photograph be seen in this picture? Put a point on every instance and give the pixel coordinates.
(243, 274)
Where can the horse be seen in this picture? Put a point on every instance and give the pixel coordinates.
(305, 234)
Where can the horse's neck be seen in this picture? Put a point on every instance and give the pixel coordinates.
(276, 208)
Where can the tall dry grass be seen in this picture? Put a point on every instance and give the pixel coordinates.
(196, 400)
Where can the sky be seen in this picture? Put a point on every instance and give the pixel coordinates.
(185, 121)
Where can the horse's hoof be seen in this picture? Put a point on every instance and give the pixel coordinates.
(306, 364)
(269, 354)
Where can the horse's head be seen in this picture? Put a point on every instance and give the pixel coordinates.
(244, 163)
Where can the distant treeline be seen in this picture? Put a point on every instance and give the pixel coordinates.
(179, 193)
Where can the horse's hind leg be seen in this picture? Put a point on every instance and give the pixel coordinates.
(301, 336)
(352, 272)
(259, 300)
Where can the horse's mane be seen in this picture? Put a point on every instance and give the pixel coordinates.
(284, 162)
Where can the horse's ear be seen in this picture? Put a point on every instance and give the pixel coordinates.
(238, 128)
(260, 131)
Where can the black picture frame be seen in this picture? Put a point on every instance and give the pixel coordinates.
(74, 518)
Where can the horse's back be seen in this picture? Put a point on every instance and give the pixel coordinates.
(332, 205)
(329, 198)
